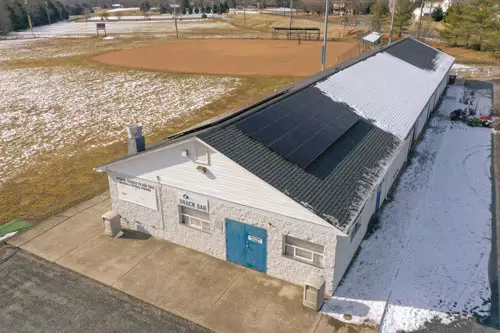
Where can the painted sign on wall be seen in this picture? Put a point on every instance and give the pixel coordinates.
(137, 192)
(194, 201)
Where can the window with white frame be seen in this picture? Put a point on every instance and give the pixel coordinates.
(303, 250)
(195, 219)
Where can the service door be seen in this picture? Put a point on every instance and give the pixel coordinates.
(246, 245)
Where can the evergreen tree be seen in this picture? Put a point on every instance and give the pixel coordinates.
(379, 11)
(452, 25)
(437, 14)
(472, 25)
(18, 16)
(185, 6)
(145, 6)
(5, 20)
(403, 16)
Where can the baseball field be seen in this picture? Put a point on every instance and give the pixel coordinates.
(66, 101)
(230, 57)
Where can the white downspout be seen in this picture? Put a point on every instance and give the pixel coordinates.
(161, 206)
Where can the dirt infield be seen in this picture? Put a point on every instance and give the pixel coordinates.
(229, 57)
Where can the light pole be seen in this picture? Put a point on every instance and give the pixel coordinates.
(48, 15)
(392, 6)
(325, 36)
(175, 6)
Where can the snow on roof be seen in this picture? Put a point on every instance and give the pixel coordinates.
(372, 37)
(388, 90)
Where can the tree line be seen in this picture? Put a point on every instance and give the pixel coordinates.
(474, 25)
(14, 13)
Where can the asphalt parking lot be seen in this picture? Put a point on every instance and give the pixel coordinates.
(38, 296)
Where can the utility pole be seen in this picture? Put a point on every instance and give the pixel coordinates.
(29, 17)
(244, 12)
(325, 36)
(290, 21)
(48, 15)
(420, 19)
(213, 12)
(175, 6)
(392, 7)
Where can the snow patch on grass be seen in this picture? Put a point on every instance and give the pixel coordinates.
(77, 29)
(43, 110)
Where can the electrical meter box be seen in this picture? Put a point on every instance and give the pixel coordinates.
(112, 223)
(314, 292)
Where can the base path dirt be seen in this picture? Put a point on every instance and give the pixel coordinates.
(231, 57)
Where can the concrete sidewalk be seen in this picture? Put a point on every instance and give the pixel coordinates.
(213, 293)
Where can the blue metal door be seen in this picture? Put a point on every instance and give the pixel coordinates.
(246, 245)
(377, 203)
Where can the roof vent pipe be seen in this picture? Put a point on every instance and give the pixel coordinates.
(136, 141)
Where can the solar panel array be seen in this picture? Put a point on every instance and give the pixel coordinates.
(301, 127)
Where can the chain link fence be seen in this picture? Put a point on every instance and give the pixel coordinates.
(476, 72)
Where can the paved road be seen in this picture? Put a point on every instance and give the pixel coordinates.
(38, 296)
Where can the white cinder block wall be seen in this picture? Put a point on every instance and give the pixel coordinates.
(141, 218)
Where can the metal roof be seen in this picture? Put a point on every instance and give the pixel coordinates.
(373, 37)
(388, 91)
(391, 88)
(334, 186)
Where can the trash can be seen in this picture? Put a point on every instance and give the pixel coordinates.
(452, 79)
(314, 292)
(112, 223)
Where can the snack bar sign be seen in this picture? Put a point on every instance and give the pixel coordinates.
(194, 201)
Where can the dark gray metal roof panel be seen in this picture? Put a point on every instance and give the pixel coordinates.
(415, 53)
(333, 186)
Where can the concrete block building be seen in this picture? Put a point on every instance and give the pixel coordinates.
(288, 185)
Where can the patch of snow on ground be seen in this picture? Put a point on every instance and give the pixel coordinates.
(123, 9)
(43, 110)
(79, 29)
(429, 256)
(460, 66)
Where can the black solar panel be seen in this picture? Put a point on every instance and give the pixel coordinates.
(301, 127)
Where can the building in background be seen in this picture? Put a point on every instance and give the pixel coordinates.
(287, 186)
(429, 7)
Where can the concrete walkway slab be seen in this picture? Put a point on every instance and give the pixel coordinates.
(40, 228)
(106, 259)
(214, 293)
(180, 280)
(84, 205)
(259, 303)
(67, 236)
